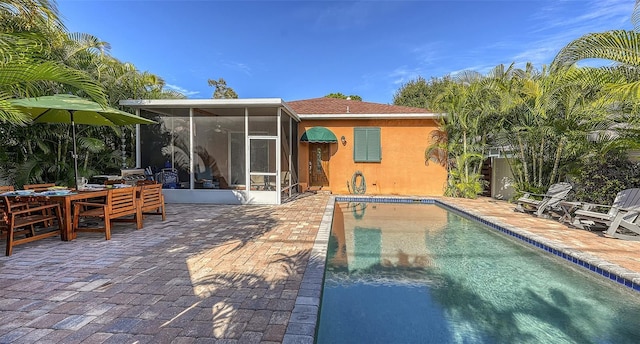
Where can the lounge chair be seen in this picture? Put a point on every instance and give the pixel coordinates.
(623, 212)
(538, 204)
(626, 225)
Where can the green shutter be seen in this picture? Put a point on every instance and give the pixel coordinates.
(374, 153)
(359, 144)
(366, 145)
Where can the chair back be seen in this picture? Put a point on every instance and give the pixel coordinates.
(151, 196)
(114, 182)
(121, 201)
(38, 187)
(4, 209)
(625, 199)
(557, 193)
(6, 188)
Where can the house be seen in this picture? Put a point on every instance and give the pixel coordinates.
(263, 150)
(385, 143)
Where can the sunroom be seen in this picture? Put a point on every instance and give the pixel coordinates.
(225, 151)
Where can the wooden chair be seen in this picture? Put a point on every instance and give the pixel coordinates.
(15, 204)
(5, 188)
(18, 224)
(38, 187)
(152, 200)
(113, 182)
(120, 203)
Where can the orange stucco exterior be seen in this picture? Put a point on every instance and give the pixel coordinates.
(402, 170)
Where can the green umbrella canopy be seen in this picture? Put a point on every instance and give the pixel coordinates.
(58, 109)
(66, 108)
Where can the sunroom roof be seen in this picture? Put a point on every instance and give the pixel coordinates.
(158, 104)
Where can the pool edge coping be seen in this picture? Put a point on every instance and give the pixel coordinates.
(304, 318)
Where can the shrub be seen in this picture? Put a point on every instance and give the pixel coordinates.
(600, 181)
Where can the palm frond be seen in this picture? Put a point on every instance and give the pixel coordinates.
(617, 45)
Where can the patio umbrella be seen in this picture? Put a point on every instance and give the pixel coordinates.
(65, 108)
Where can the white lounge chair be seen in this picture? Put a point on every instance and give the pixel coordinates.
(623, 212)
(538, 204)
(626, 225)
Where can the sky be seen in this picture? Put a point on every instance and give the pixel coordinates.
(307, 49)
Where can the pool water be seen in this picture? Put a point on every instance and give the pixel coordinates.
(416, 273)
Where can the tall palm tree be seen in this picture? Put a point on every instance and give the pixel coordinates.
(467, 101)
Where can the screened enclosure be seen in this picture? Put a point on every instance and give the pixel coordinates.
(219, 150)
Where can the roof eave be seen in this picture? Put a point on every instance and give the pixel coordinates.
(372, 116)
(209, 103)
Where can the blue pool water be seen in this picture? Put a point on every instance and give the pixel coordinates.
(416, 273)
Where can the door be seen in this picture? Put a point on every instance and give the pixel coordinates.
(318, 164)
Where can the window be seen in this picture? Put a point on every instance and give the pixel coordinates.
(366, 145)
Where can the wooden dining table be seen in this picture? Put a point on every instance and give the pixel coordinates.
(67, 232)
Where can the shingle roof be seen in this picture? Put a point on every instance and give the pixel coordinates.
(342, 106)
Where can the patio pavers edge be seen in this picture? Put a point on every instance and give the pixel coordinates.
(307, 309)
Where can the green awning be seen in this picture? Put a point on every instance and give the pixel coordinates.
(319, 135)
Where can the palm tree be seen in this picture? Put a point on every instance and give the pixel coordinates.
(25, 67)
(621, 81)
(468, 103)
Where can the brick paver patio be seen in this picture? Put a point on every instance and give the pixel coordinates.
(210, 273)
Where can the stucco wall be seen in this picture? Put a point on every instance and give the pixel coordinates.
(402, 170)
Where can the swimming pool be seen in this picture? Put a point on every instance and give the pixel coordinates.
(417, 273)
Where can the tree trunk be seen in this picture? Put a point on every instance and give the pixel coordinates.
(556, 162)
(524, 160)
(464, 153)
(540, 163)
(534, 167)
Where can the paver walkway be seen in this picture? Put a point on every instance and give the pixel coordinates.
(209, 274)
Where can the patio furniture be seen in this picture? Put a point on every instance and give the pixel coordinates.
(152, 200)
(538, 204)
(19, 224)
(168, 177)
(566, 211)
(66, 201)
(625, 226)
(145, 182)
(5, 188)
(14, 204)
(39, 187)
(111, 182)
(625, 208)
(120, 203)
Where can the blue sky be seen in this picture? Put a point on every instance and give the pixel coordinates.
(307, 49)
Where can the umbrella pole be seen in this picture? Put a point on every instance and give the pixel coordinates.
(75, 152)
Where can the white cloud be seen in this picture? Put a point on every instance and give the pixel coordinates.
(556, 31)
(181, 90)
(404, 74)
